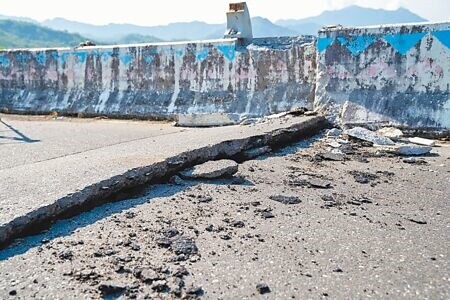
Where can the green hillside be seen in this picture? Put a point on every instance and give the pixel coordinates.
(17, 34)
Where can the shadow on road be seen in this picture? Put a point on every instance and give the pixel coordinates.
(20, 136)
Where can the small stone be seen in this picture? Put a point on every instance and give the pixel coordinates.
(170, 232)
(160, 286)
(212, 170)
(180, 272)
(197, 291)
(225, 237)
(335, 132)
(267, 215)
(182, 245)
(263, 288)
(318, 183)
(13, 293)
(420, 222)
(111, 288)
(148, 275)
(204, 199)
(368, 136)
(66, 255)
(332, 156)
(163, 242)
(238, 224)
(285, 199)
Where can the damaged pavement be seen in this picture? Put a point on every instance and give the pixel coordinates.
(301, 221)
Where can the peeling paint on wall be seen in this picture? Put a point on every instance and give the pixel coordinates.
(397, 75)
(161, 80)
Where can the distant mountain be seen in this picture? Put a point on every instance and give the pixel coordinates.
(113, 32)
(62, 32)
(21, 19)
(137, 39)
(351, 16)
(18, 34)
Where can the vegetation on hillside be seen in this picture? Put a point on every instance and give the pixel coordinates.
(17, 34)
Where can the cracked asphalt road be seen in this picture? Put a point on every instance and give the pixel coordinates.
(369, 226)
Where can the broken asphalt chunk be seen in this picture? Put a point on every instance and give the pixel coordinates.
(369, 136)
(407, 149)
(286, 199)
(422, 141)
(212, 170)
(391, 132)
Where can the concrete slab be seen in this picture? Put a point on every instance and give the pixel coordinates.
(51, 166)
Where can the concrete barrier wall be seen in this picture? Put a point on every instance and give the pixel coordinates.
(161, 80)
(397, 75)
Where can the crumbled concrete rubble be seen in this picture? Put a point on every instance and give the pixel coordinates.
(212, 170)
(383, 140)
(422, 141)
(368, 136)
(299, 225)
(391, 132)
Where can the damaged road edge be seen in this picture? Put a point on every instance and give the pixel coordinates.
(106, 190)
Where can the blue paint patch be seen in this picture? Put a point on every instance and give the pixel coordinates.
(404, 42)
(64, 57)
(22, 57)
(41, 58)
(149, 58)
(201, 55)
(357, 44)
(4, 61)
(81, 56)
(104, 55)
(324, 43)
(229, 51)
(443, 36)
(126, 58)
(179, 53)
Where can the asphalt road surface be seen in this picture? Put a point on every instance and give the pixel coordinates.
(289, 225)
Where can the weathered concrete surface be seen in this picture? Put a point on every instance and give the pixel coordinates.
(161, 80)
(385, 75)
(50, 166)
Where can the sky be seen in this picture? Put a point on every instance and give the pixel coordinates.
(160, 12)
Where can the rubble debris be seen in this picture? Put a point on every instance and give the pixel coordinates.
(255, 152)
(298, 111)
(334, 132)
(111, 288)
(392, 133)
(183, 245)
(212, 170)
(413, 160)
(420, 222)
(285, 199)
(363, 177)
(422, 141)
(263, 288)
(369, 136)
(332, 156)
(406, 149)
